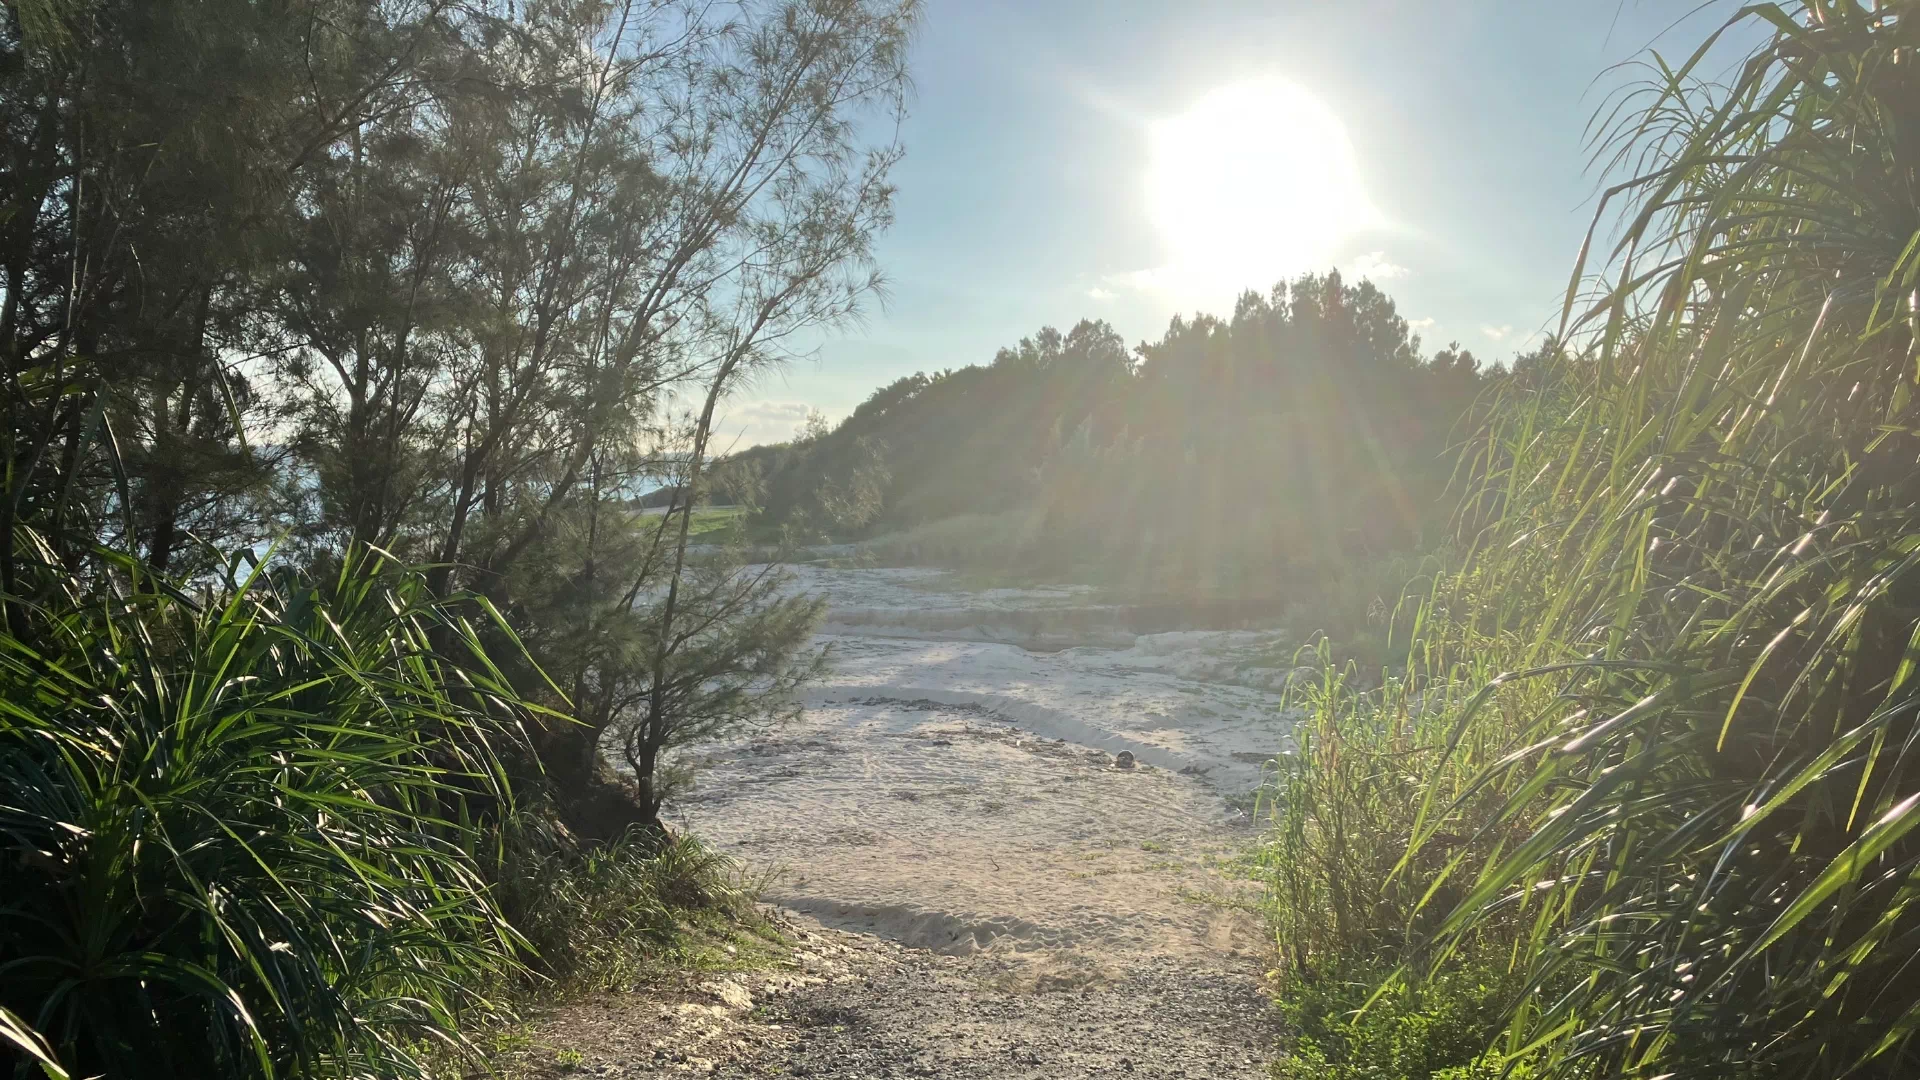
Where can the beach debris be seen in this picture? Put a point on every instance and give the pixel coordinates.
(1123, 760)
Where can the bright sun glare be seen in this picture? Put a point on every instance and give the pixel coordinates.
(1256, 181)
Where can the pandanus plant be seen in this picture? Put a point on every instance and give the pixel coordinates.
(1716, 871)
(238, 836)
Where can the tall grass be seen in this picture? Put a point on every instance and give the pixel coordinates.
(1684, 808)
(1718, 810)
(1348, 907)
(1340, 810)
(610, 916)
(239, 837)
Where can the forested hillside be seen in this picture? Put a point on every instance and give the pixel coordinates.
(1307, 428)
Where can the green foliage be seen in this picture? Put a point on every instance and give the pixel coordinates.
(1342, 1023)
(738, 655)
(603, 917)
(716, 524)
(963, 541)
(409, 278)
(271, 835)
(1344, 802)
(354, 274)
(1365, 606)
(1305, 430)
(655, 647)
(1684, 807)
(240, 836)
(1340, 809)
(965, 441)
(1717, 811)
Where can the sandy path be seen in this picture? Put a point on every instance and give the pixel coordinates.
(949, 820)
(948, 828)
(859, 1007)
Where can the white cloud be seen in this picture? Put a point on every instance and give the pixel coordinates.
(1422, 324)
(1101, 293)
(1497, 333)
(1152, 279)
(1375, 266)
(750, 423)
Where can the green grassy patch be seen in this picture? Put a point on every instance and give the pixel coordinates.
(714, 524)
(1338, 1028)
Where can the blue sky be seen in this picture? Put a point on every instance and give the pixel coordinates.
(1027, 195)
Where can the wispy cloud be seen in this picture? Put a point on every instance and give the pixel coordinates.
(1152, 279)
(1376, 267)
(1497, 333)
(1102, 293)
(750, 423)
(1422, 324)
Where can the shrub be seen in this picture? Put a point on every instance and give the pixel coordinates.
(1345, 800)
(604, 916)
(239, 836)
(1359, 1021)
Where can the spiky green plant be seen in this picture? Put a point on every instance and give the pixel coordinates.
(1708, 535)
(238, 836)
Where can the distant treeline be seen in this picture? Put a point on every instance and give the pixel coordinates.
(1307, 427)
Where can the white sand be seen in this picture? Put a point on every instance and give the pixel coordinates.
(957, 793)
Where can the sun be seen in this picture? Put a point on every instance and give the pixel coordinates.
(1254, 182)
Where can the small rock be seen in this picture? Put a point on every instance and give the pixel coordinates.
(1123, 760)
(731, 993)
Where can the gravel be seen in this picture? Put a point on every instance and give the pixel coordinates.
(855, 1007)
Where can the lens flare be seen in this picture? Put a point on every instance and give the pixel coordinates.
(1254, 182)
